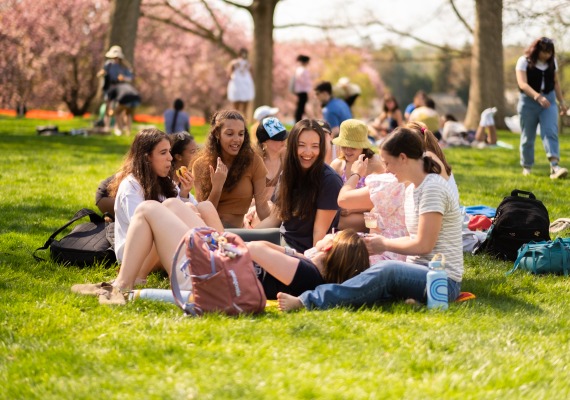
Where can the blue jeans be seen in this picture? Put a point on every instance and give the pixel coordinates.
(385, 281)
(532, 114)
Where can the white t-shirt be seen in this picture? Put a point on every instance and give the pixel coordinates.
(435, 195)
(129, 195)
(522, 65)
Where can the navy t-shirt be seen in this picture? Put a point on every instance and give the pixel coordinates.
(306, 278)
(298, 233)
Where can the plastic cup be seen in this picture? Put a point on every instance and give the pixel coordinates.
(371, 220)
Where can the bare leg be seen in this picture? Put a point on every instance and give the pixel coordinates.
(492, 138)
(152, 224)
(210, 215)
(480, 135)
(288, 302)
(187, 213)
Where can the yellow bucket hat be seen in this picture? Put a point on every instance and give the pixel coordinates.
(353, 133)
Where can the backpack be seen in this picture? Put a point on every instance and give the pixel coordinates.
(221, 273)
(544, 257)
(519, 220)
(87, 244)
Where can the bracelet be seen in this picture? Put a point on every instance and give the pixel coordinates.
(354, 173)
(289, 251)
(538, 96)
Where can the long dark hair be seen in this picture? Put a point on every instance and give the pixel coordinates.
(412, 144)
(542, 44)
(213, 149)
(137, 163)
(178, 142)
(298, 189)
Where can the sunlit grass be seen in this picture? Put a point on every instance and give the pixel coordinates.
(511, 342)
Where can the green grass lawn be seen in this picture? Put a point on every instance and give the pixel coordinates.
(512, 342)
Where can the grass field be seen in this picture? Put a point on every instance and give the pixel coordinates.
(512, 342)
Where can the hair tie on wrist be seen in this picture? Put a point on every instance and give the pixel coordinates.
(355, 173)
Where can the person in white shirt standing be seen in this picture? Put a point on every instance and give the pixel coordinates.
(539, 87)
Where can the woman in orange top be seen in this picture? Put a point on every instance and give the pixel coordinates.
(228, 172)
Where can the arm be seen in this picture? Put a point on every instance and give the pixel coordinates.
(273, 259)
(323, 221)
(559, 95)
(261, 205)
(522, 82)
(398, 117)
(218, 178)
(272, 221)
(352, 198)
(424, 242)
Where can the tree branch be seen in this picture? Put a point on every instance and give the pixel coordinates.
(463, 21)
(232, 3)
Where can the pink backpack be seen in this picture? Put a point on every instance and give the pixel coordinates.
(222, 275)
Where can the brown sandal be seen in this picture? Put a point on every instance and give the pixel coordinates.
(115, 296)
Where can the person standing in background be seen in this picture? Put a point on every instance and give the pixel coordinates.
(301, 85)
(539, 87)
(176, 120)
(115, 70)
(240, 87)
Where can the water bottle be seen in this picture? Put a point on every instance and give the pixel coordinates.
(164, 295)
(436, 285)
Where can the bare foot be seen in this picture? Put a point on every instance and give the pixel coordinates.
(288, 302)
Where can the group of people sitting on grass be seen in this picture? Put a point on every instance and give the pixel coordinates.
(329, 257)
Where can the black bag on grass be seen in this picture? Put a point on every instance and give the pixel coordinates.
(519, 220)
(87, 244)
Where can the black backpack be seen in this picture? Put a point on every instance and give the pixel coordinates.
(518, 220)
(87, 244)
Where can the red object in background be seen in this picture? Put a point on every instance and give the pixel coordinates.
(479, 223)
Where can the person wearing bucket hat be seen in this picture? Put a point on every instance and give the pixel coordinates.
(353, 141)
(259, 114)
(116, 70)
(270, 145)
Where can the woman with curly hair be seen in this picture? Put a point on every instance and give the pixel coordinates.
(306, 196)
(228, 173)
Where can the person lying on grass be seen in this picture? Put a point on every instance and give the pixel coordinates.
(433, 220)
(163, 225)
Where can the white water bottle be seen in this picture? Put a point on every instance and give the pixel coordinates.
(436, 285)
(164, 295)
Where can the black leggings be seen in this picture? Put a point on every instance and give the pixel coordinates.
(301, 102)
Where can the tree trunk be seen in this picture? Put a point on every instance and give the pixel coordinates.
(487, 81)
(262, 13)
(123, 26)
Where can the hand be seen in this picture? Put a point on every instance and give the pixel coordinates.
(374, 243)
(186, 182)
(563, 109)
(360, 166)
(543, 101)
(220, 174)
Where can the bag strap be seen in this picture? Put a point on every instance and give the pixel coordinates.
(522, 252)
(93, 216)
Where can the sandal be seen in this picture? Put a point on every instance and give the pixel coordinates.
(115, 296)
(560, 225)
(92, 289)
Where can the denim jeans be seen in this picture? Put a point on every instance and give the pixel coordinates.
(387, 280)
(532, 114)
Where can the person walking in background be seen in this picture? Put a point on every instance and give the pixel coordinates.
(301, 85)
(115, 70)
(335, 111)
(240, 86)
(536, 73)
(176, 120)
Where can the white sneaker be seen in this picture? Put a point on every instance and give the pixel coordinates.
(527, 172)
(557, 172)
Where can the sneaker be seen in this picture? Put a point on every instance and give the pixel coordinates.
(526, 171)
(557, 172)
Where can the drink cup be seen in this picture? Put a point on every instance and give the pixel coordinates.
(371, 220)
